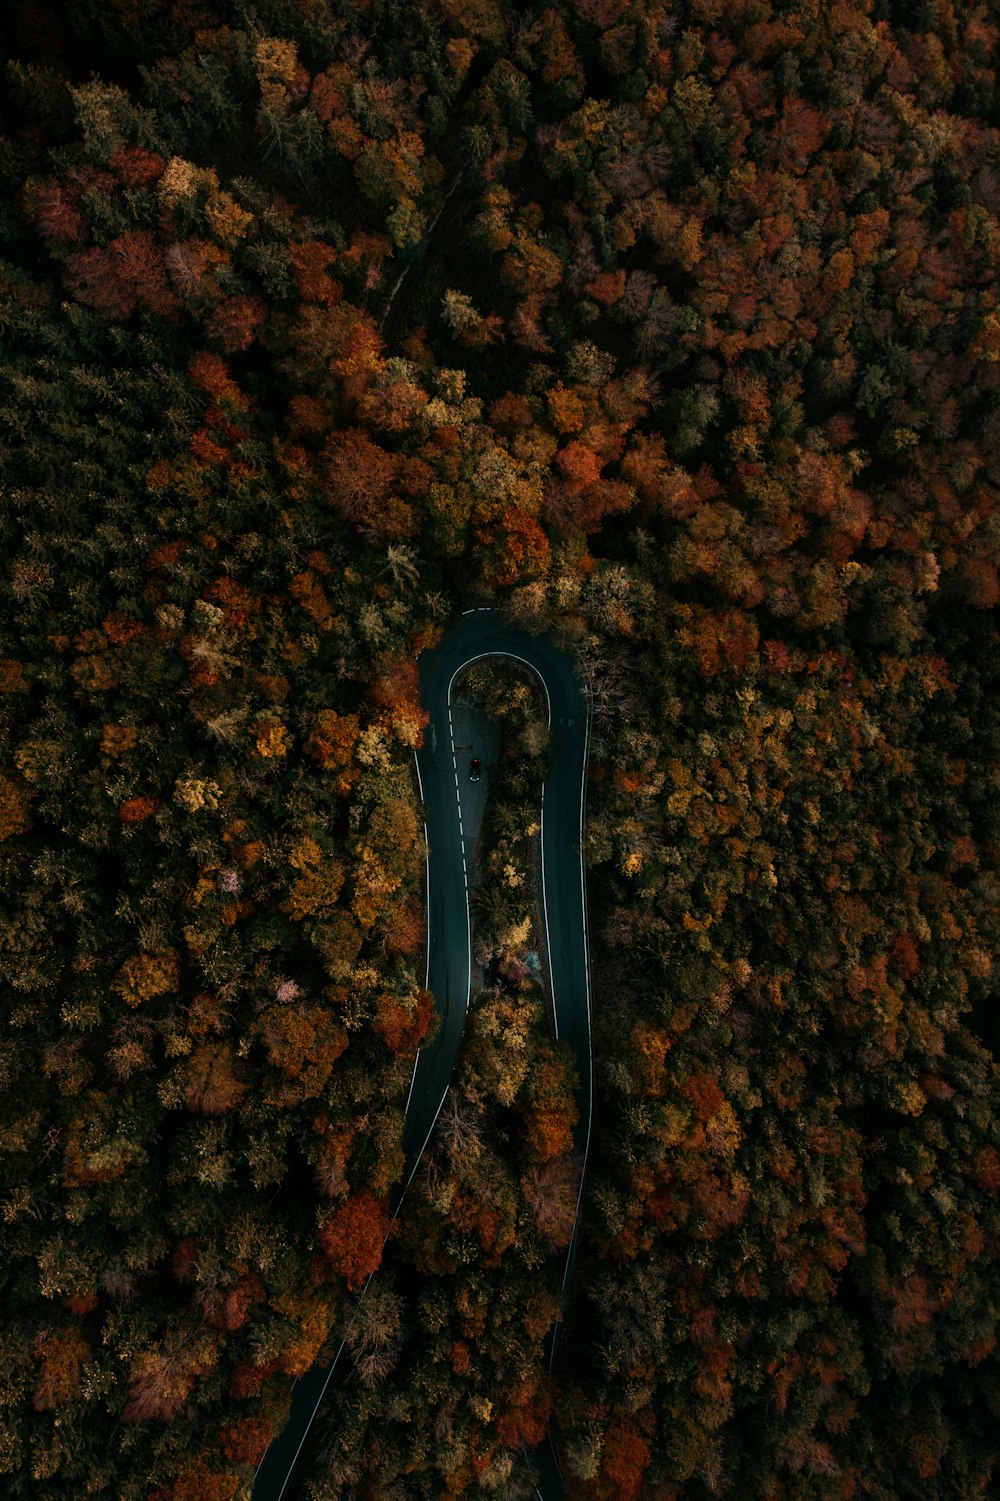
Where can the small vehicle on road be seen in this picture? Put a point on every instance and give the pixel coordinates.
(475, 770)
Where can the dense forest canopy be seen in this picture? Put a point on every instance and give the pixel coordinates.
(670, 327)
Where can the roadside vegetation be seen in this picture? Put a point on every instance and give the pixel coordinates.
(448, 1386)
(506, 904)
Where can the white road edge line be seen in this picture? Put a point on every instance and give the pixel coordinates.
(427, 923)
(458, 791)
(545, 919)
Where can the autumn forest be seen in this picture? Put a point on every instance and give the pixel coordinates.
(667, 328)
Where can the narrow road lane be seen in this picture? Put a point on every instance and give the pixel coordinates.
(482, 633)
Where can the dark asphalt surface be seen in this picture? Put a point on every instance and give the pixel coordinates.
(481, 633)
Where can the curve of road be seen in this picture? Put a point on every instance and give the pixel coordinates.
(482, 633)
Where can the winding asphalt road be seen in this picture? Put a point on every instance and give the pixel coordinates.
(440, 770)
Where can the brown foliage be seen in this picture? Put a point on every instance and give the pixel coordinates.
(353, 1237)
(162, 1376)
(246, 1440)
(405, 931)
(228, 1308)
(234, 323)
(61, 1355)
(212, 374)
(121, 278)
(58, 217)
(212, 1084)
(310, 259)
(359, 477)
(201, 1483)
(14, 816)
(524, 1417)
(136, 167)
(404, 1028)
(551, 1191)
(624, 1460)
(330, 743)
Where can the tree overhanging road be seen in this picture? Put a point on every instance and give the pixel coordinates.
(440, 769)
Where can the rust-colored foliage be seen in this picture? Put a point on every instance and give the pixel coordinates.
(359, 476)
(61, 1355)
(303, 1044)
(136, 167)
(309, 591)
(624, 1461)
(353, 1236)
(404, 1027)
(248, 1377)
(247, 1440)
(330, 743)
(310, 260)
(212, 375)
(234, 323)
(58, 217)
(524, 1417)
(228, 1308)
(203, 1483)
(121, 278)
(14, 816)
(238, 602)
(138, 809)
(549, 1133)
